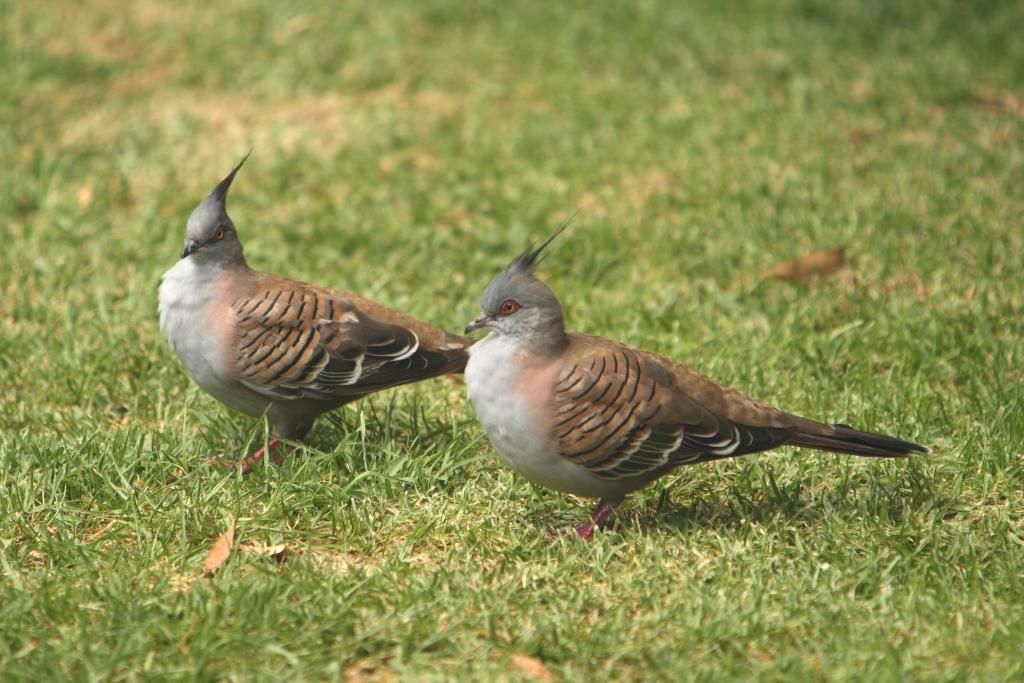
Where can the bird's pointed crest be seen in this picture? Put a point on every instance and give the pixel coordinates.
(220, 192)
(525, 262)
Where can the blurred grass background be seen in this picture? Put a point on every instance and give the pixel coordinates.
(407, 151)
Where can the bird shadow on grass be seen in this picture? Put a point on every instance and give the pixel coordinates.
(374, 426)
(883, 500)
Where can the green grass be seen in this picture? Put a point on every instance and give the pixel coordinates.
(407, 151)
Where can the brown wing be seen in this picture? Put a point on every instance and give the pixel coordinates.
(622, 412)
(296, 341)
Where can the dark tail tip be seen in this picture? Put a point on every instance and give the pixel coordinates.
(846, 439)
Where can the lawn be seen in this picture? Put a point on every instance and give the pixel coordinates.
(406, 151)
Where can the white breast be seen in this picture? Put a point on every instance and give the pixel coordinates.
(491, 379)
(185, 292)
(511, 420)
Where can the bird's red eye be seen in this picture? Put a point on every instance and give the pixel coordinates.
(219, 235)
(508, 307)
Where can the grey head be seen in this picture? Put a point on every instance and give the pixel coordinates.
(517, 304)
(210, 235)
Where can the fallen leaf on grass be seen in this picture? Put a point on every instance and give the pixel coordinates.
(221, 549)
(813, 264)
(532, 668)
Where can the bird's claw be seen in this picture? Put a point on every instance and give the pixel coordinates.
(601, 518)
(246, 463)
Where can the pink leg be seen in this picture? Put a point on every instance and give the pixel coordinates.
(600, 518)
(248, 461)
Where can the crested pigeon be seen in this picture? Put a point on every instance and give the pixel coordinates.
(593, 417)
(263, 344)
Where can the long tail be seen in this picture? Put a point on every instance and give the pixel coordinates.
(846, 439)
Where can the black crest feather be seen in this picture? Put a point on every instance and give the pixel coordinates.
(525, 262)
(221, 191)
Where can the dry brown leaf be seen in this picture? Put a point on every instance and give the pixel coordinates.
(813, 264)
(532, 668)
(221, 549)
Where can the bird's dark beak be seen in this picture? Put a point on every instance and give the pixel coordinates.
(482, 320)
(190, 246)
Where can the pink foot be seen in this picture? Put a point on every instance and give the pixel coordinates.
(248, 461)
(600, 518)
(585, 531)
